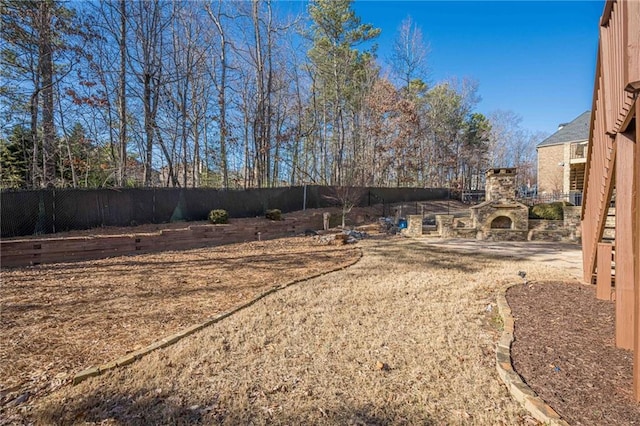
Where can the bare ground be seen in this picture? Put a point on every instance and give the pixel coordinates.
(59, 319)
(405, 336)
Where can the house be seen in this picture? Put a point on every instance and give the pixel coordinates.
(562, 158)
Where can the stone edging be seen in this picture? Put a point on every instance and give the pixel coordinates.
(519, 390)
(136, 355)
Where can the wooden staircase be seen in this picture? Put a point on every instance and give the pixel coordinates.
(613, 161)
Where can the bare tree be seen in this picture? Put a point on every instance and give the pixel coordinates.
(409, 53)
(513, 146)
(149, 24)
(262, 60)
(220, 68)
(347, 197)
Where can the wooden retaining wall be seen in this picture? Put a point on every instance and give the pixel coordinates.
(29, 252)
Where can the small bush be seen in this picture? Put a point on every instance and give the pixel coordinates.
(218, 216)
(274, 214)
(551, 211)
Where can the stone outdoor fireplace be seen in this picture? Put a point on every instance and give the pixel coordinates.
(500, 217)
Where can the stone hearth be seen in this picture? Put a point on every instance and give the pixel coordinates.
(500, 217)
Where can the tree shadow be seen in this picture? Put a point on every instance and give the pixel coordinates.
(147, 407)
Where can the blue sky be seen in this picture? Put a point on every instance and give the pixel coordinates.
(536, 58)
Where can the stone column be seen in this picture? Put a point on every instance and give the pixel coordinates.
(414, 225)
(444, 223)
(572, 222)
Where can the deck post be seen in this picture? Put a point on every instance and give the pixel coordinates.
(625, 300)
(635, 230)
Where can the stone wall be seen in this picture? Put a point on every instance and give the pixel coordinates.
(502, 218)
(567, 230)
(549, 230)
(503, 235)
(572, 216)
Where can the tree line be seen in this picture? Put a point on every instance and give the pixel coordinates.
(213, 93)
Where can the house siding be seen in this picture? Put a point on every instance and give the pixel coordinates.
(551, 174)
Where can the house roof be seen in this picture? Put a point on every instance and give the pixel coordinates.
(576, 130)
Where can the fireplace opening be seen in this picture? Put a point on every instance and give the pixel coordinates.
(501, 222)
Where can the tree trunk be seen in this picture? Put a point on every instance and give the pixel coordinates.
(46, 73)
(35, 159)
(222, 103)
(122, 97)
(148, 129)
(221, 85)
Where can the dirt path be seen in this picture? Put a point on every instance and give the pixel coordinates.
(406, 336)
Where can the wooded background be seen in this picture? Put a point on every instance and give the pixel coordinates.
(235, 94)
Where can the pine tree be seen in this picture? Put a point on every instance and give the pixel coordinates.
(38, 42)
(14, 158)
(336, 31)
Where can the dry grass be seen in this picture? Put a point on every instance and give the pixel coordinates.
(308, 354)
(59, 319)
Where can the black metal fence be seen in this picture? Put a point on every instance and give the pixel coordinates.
(57, 210)
(574, 198)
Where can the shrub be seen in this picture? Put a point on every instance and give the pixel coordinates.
(550, 211)
(274, 214)
(218, 216)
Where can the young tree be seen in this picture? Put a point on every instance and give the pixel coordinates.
(347, 197)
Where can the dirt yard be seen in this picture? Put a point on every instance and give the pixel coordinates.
(405, 336)
(59, 319)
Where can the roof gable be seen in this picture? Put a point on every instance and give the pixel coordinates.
(577, 130)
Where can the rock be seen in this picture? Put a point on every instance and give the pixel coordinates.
(382, 366)
(21, 399)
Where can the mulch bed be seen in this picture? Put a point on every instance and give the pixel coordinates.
(564, 349)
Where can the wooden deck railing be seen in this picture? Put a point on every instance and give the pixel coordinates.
(613, 161)
(578, 151)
